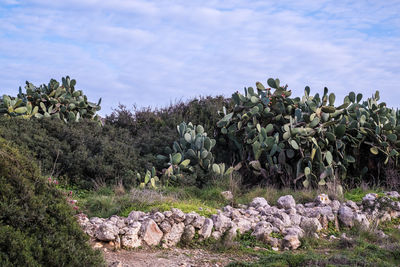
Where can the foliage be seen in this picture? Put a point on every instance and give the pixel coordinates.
(37, 226)
(52, 100)
(83, 153)
(153, 129)
(309, 141)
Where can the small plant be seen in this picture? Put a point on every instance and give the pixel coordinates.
(150, 179)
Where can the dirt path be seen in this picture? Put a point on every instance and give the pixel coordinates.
(175, 257)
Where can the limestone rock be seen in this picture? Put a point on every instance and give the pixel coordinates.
(259, 202)
(174, 236)
(188, 233)
(158, 217)
(131, 237)
(286, 202)
(221, 222)
(346, 216)
(291, 242)
(107, 232)
(205, 231)
(242, 224)
(177, 215)
(198, 222)
(150, 233)
(310, 225)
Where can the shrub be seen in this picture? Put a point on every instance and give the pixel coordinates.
(85, 153)
(37, 226)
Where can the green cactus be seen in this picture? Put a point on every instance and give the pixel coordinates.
(51, 100)
(308, 138)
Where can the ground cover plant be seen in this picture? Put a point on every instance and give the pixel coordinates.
(37, 227)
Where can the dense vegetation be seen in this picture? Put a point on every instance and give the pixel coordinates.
(268, 136)
(52, 100)
(190, 151)
(37, 227)
(309, 141)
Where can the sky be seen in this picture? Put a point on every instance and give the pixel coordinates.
(153, 53)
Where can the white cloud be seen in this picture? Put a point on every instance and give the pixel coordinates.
(153, 52)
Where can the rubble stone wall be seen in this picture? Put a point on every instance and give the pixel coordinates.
(288, 219)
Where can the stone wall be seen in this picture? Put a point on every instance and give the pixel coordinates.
(288, 219)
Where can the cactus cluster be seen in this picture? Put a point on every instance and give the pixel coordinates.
(54, 100)
(150, 179)
(308, 139)
(193, 148)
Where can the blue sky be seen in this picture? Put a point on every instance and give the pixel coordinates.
(152, 53)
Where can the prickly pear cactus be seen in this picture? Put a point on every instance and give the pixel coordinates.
(54, 100)
(308, 139)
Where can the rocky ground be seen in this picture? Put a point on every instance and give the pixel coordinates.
(174, 257)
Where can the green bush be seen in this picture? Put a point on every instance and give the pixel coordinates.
(37, 226)
(85, 153)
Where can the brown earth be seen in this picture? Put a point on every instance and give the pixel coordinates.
(174, 257)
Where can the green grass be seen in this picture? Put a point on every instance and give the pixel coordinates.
(364, 249)
(185, 206)
(357, 194)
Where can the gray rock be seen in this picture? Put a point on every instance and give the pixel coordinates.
(310, 225)
(276, 222)
(242, 224)
(165, 226)
(259, 202)
(327, 212)
(351, 204)
(286, 202)
(205, 231)
(361, 219)
(135, 215)
(174, 236)
(96, 220)
(312, 212)
(131, 237)
(335, 205)
(262, 230)
(158, 217)
(188, 233)
(107, 231)
(177, 215)
(216, 235)
(284, 218)
(221, 222)
(291, 242)
(190, 217)
(167, 213)
(198, 222)
(150, 233)
(346, 216)
(294, 230)
(295, 219)
(393, 194)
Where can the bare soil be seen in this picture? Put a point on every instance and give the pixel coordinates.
(174, 257)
